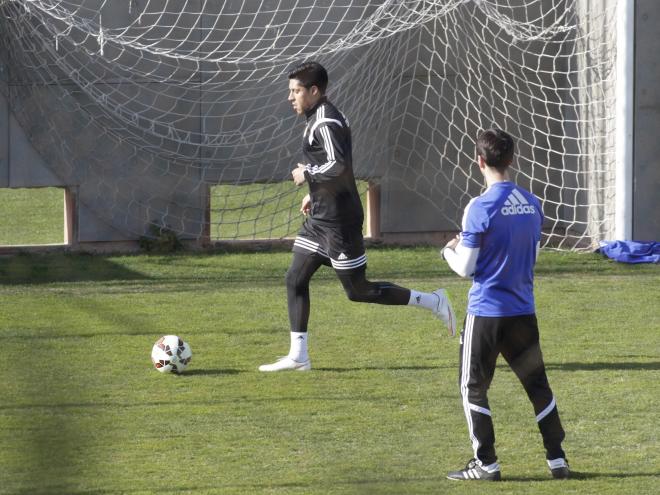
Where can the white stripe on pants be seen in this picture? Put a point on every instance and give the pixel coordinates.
(465, 378)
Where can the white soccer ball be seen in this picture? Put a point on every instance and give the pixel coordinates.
(171, 354)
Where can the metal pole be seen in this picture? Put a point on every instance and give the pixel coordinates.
(625, 77)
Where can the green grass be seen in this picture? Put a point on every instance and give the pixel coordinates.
(83, 412)
(251, 211)
(31, 216)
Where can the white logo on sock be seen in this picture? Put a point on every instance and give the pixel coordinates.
(342, 256)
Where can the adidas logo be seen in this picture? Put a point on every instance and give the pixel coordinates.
(516, 204)
(342, 256)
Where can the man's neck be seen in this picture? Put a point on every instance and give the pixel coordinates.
(493, 177)
(309, 112)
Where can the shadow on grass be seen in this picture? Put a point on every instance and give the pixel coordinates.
(578, 476)
(441, 480)
(313, 485)
(599, 366)
(211, 372)
(385, 368)
(64, 336)
(58, 407)
(42, 269)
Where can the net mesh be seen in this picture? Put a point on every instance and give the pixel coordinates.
(174, 112)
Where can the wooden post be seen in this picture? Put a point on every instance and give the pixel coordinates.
(205, 239)
(373, 210)
(71, 216)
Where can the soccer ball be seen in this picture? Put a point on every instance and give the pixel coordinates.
(171, 354)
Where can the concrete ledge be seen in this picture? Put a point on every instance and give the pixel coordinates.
(34, 249)
(228, 246)
(417, 238)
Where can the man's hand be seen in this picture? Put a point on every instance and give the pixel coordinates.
(298, 175)
(453, 242)
(306, 205)
(450, 245)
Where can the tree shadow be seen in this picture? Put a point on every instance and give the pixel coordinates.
(211, 372)
(599, 366)
(49, 268)
(578, 476)
(384, 368)
(64, 336)
(583, 475)
(360, 484)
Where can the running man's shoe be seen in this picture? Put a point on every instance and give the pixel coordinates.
(287, 364)
(445, 312)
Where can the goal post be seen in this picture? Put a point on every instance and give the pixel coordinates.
(625, 74)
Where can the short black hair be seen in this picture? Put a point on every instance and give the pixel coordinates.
(496, 147)
(310, 74)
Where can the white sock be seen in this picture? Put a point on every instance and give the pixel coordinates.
(423, 300)
(298, 351)
(491, 468)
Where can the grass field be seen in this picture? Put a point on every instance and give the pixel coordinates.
(31, 216)
(83, 412)
(251, 211)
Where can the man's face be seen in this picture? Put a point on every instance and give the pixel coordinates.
(302, 98)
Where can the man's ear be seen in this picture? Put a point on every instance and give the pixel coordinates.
(481, 162)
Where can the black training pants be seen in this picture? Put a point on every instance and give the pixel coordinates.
(517, 339)
(357, 287)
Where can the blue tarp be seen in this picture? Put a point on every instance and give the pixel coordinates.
(631, 251)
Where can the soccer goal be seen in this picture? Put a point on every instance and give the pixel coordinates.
(174, 113)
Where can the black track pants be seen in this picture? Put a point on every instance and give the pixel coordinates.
(517, 339)
(357, 287)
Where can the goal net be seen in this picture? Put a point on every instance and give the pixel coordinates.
(174, 113)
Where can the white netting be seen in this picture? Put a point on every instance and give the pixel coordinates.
(174, 112)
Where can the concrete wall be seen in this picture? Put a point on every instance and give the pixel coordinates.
(4, 128)
(646, 170)
(20, 164)
(450, 98)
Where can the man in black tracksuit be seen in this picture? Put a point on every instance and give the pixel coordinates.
(332, 232)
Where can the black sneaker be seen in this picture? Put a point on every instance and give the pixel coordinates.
(559, 468)
(474, 471)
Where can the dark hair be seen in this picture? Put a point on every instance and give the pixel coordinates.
(496, 147)
(311, 74)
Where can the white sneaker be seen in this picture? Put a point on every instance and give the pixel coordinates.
(445, 312)
(286, 363)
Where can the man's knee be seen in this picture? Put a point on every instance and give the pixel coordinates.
(294, 280)
(476, 391)
(356, 286)
(354, 294)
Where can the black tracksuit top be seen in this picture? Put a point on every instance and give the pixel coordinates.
(327, 150)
